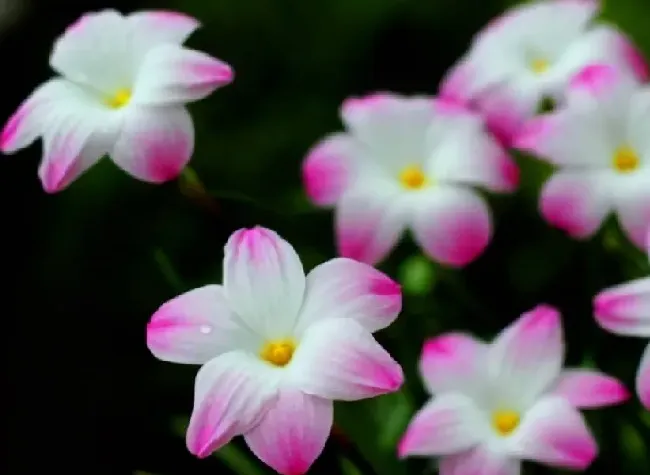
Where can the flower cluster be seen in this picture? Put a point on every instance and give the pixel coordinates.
(277, 345)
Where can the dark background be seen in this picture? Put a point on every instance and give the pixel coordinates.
(86, 268)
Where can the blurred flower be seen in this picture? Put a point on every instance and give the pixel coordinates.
(277, 347)
(530, 53)
(408, 163)
(124, 82)
(496, 404)
(625, 310)
(601, 142)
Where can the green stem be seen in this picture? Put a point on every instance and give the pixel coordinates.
(192, 187)
(168, 271)
(238, 461)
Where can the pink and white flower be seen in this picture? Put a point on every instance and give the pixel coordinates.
(510, 400)
(277, 347)
(409, 163)
(530, 53)
(601, 143)
(122, 87)
(625, 310)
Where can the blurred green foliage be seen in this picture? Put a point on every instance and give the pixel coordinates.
(127, 246)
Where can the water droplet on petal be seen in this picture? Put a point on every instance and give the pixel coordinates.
(205, 329)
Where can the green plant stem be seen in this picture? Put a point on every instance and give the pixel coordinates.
(168, 271)
(349, 450)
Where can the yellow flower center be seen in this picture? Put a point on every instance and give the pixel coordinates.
(625, 159)
(119, 99)
(505, 421)
(278, 352)
(539, 65)
(412, 177)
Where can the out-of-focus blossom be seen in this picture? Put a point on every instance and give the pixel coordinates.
(496, 404)
(277, 347)
(601, 143)
(530, 53)
(122, 87)
(625, 310)
(409, 163)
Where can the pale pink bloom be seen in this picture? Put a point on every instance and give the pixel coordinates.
(495, 404)
(122, 85)
(277, 347)
(409, 163)
(530, 53)
(625, 310)
(600, 142)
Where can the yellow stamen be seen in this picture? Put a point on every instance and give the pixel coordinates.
(119, 99)
(505, 421)
(625, 159)
(278, 352)
(412, 178)
(539, 65)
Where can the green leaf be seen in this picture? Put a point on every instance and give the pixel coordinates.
(238, 461)
(393, 414)
(168, 271)
(374, 427)
(348, 468)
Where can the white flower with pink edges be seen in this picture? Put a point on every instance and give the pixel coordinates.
(530, 53)
(600, 142)
(122, 85)
(496, 404)
(277, 347)
(409, 163)
(625, 310)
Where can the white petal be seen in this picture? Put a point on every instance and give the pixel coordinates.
(76, 131)
(155, 143)
(589, 388)
(643, 378)
(232, 394)
(370, 220)
(554, 432)
(625, 308)
(453, 362)
(578, 136)
(452, 224)
(447, 424)
(526, 357)
(94, 51)
(603, 44)
(637, 118)
(197, 326)
(171, 74)
(506, 108)
(603, 88)
(462, 151)
(632, 203)
(330, 168)
(550, 25)
(155, 27)
(32, 117)
(479, 461)
(264, 281)
(343, 288)
(577, 201)
(393, 127)
(293, 433)
(339, 359)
